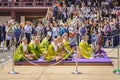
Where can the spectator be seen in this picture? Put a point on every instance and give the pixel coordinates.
(17, 34)
(28, 31)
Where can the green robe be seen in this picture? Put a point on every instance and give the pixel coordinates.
(37, 51)
(68, 49)
(67, 45)
(45, 44)
(85, 49)
(51, 53)
(19, 54)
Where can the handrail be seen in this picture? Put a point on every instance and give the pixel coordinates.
(27, 4)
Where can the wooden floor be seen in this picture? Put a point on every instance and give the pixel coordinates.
(62, 72)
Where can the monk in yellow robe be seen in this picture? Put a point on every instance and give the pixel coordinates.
(45, 43)
(52, 51)
(35, 48)
(84, 48)
(22, 52)
(64, 48)
(66, 44)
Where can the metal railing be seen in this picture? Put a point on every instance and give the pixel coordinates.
(33, 3)
(114, 40)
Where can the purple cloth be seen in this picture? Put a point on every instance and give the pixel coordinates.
(81, 60)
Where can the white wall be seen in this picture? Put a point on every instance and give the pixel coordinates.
(22, 18)
(4, 18)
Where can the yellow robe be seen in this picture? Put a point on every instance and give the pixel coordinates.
(35, 49)
(45, 44)
(51, 52)
(85, 49)
(68, 49)
(67, 45)
(19, 54)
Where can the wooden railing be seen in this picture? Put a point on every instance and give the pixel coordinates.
(32, 3)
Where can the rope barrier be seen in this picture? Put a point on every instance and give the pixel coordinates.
(39, 65)
(45, 66)
(5, 63)
(112, 50)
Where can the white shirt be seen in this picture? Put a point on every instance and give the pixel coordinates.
(28, 29)
(24, 47)
(55, 31)
(55, 46)
(39, 29)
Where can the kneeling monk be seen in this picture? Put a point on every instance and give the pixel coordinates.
(22, 52)
(34, 48)
(67, 48)
(52, 51)
(84, 48)
(45, 43)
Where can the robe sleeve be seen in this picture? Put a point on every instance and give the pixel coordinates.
(67, 46)
(31, 48)
(19, 54)
(39, 49)
(44, 44)
(50, 53)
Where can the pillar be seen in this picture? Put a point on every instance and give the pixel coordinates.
(13, 14)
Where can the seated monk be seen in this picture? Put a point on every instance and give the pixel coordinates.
(52, 51)
(22, 52)
(34, 48)
(64, 49)
(45, 43)
(62, 52)
(84, 48)
(66, 44)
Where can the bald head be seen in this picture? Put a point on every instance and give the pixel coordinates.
(85, 38)
(64, 35)
(59, 39)
(33, 37)
(24, 40)
(37, 39)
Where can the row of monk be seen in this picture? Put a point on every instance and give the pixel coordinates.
(58, 49)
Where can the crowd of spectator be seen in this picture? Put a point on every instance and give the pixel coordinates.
(77, 19)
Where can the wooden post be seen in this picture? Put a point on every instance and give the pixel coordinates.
(20, 3)
(13, 14)
(12, 2)
(34, 3)
(44, 3)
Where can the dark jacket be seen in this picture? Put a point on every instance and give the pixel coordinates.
(17, 32)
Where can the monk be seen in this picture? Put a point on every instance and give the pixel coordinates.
(52, 51)
(35, 48)
(64, 48)
(22, 51)
(84, 48)
(45, 43)
(66, 44)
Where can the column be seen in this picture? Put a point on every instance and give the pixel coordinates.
(13, 2)
(44, 3)
(34, 2)
(13, 14)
